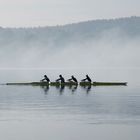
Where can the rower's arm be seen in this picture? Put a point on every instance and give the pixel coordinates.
(84, 79)
(69, 79)
(58, 80)
(42, 80)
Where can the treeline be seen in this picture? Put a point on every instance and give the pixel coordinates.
(77, 32)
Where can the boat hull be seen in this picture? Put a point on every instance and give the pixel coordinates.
(71, 84)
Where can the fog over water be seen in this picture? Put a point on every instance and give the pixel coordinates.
(105, 52)
(101, 43)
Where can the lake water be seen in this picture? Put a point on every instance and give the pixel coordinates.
(40, 113)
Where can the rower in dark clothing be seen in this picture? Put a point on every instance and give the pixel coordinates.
(61, 79)
(87, 79)
(73, 79)
(46, 78)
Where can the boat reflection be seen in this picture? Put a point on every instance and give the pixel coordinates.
(87, 88)
(73, 88)
(60, 88)
(45, 89)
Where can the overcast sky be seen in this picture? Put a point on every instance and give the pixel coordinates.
(24, 13)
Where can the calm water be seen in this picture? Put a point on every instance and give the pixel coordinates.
(33, 112)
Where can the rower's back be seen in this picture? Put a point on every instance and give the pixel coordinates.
(88, 78)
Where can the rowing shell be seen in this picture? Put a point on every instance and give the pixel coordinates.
(71, 84)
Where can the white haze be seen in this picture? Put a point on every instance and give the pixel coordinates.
(112, 48)
(105, 52)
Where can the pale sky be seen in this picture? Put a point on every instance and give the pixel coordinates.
(30, 13)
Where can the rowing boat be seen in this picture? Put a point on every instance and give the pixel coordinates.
(71, 84)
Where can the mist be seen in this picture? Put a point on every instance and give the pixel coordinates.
(90, 44)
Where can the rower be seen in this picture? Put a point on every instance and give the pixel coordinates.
(61, 79)
(88, 79)
(46, 79)
(73, 79)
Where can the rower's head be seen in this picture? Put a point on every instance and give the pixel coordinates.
(45, 75)
(72, 76)
(87, 75)
(60, 75)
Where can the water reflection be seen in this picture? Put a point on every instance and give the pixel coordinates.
(72, 88)
(61, 88)
(87, 88)
(45, 89)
